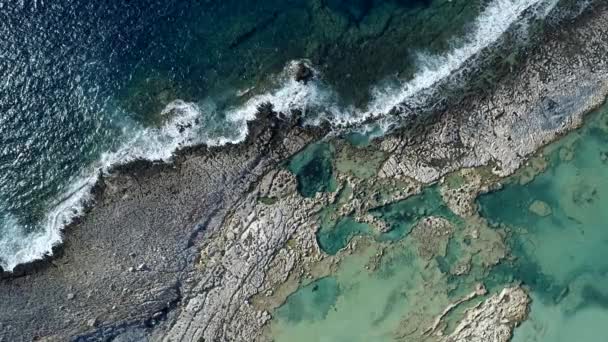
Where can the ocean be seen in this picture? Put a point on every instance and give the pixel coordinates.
(88, 85)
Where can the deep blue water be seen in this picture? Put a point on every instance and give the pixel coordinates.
(83, 78)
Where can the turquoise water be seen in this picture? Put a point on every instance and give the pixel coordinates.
(401, 216)
(313, 168)
(546, 229)
(311, 302)
(333, 239)
(561, 244)
(369, 305)
(551, 216)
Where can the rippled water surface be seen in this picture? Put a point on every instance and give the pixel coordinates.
(559, 236)
(90, 84)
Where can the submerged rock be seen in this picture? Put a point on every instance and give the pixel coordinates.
(432, 235)
(540, 208)
(201, 219)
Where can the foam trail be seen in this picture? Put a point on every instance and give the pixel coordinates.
(492, 23)
(188, 124)
(314, 96)
(192, 124)
(18, 246)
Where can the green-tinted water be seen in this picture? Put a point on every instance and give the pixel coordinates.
(333, 239)
(392, 285)
(560, 238)
(401, 216)
(314, 169)
(311, 302)
(370, 305)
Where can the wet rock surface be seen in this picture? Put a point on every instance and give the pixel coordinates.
(561, 81)
(178, 252)
(131, 260)
(502, 130)
(432, 235)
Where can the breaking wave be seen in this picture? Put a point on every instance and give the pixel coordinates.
(196, 123)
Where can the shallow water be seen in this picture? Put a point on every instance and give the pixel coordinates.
(400, 217)
(313, 169)
(551, 215)
(89, 85)
(369, 306)
(391, 285)
(561, 244)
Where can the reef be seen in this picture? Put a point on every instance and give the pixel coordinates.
(209, 247)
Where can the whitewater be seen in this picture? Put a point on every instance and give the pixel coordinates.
(188, 123)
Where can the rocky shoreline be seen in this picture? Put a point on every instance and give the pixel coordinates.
(183, 252)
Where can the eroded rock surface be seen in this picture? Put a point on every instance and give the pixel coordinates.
(179, 252)
(131, 261)
(235, 260)
(494, 319)
(561, 81)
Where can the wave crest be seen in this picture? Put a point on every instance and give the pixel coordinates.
(193, 123)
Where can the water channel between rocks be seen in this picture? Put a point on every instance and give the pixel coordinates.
(545, 228)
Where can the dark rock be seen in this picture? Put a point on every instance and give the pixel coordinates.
(303, 73)
(138, 211)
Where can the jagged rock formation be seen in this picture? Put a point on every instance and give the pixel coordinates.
(131, 261)
(235, 261)
(561, 81)
(504, 128)
(142, 265)
(432, 235)
(494, 319)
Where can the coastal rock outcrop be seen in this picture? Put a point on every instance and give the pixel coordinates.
(147, 214)
(235, 261)
(562, 79)
(494, 319)
(221, 226)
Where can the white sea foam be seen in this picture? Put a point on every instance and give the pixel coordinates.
(313, 96)
(189, 123)
(492, 23)
(18, 246)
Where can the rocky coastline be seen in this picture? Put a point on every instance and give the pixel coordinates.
(189, 252)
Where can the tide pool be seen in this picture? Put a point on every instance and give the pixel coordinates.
(400, 217)
(387, 285)
(375, 294)
(546, 229)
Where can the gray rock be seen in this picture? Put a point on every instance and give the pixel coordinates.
(92, 322)
(178, 217)
(494, 319)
